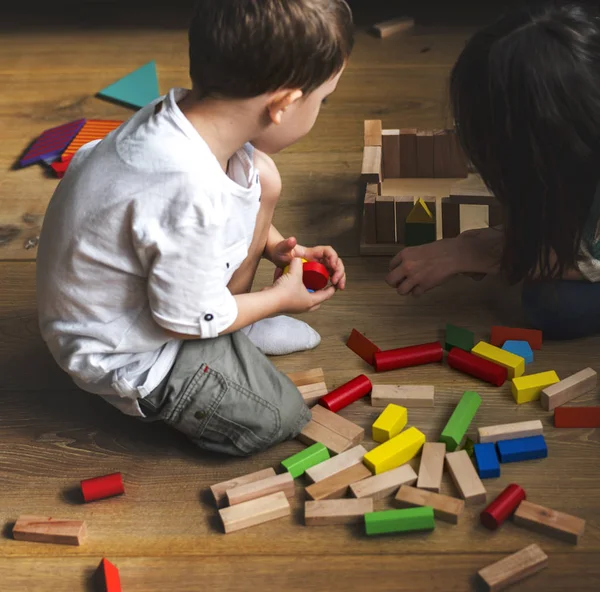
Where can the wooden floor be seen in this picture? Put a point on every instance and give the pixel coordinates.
(164, 534)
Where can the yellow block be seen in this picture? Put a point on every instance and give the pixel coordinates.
(390, 423)
(420, 213)
(528, 388)
(287, 267)
(395, 452)
(515, 365)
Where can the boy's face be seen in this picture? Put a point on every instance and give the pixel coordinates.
(296, 118)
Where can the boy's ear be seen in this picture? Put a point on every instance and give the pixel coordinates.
(280, 101)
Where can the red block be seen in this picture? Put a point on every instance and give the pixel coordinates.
(502, 334)
(102, 487)
(405, 357)
(362, 346)
(60, 167)
(478, 367)
(502, 507)
(108, 577)
(314, 275)
(577, 417)
(347, 393)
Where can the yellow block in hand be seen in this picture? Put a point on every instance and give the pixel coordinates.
(390, 423)
(515, 365)
(395, 452)
(287, 267)
(528, 388)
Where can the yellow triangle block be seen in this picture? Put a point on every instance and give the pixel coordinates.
(420, 214)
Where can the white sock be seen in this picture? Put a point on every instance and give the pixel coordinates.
(281, 335)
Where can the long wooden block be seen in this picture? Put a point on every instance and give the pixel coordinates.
(255, 512)
(373, 132)
(304, 377)
(432, 466)
(390, 423)
(408, 153)
(404, 205)
(577, 417)
(337, 485)
(336, 511)
(568, 389)
(403, 520)
(315, 432)
(385, 484)
(298, 463)
(425, 154)
(243, 493)
(219, 490)
(393, 26)
(311, 393)
(546, 521)
(362, 346)
(460, 420)
(395, 452)
(521, 449)
(405, 395)
(529, 388)
(391, 153)
(44, 529)
(445, 508)
(515, 365)
(450, 219)
(442, 158)
(338, 463)
(338, 424)
(514, 568)
(369, 218)
(371, 164)
(510, 431)
(501, 334)
(465, 477)
(385, 216)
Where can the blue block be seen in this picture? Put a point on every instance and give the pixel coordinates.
(486, 460)
(519, 348)
(522, 449)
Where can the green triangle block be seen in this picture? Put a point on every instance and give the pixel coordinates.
(136, 89)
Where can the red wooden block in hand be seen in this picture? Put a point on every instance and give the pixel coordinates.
(314, 275)
(478, 367)
(577, 417)
(502, 507)
(347, 393)
(362, 346)
(102, 487)
(500, 335)
(405, 357)
(108, 577)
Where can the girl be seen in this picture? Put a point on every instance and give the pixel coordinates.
(525, 96)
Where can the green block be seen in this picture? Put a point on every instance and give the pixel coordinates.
(469, 447)
(459, 337)
(136, 89)
(399, 520)
(460, 420)
(419, 233)
(311, 456)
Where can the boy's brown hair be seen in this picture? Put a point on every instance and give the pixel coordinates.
(244, 48)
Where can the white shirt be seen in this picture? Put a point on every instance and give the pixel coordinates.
(143, 233)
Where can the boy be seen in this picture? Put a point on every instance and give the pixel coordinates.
(151, 242)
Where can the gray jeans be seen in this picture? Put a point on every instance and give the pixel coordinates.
(226, 396)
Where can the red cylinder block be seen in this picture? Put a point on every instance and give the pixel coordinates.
(477, 367)
(314, 275)
(102, 487)
(404, 357)
(347, 393)
(502, 507)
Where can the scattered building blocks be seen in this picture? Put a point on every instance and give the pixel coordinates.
(337, 485)
(334, 465)
(444, 507)
(393, 26)
(405, 357)
(511, 431)
(93, 129)
(249, 491)
(529, 388)
(460, 420)
(519, 348)
(514, 568)
(306, 377)
(43, 529)
(486, 460)
(522, 449)
(338, 424)
(407, 520)
(478, 367)
(312, 393)
(390, 423)
(347, 393)
(137, 89)
(500, 335)
(311, 456)
(546, 521)
(410, 396)
(385, 484)
(577, 417)
(419, 226)
(459, 337)
(52, 143)
(395, 452)
(314, 432)
(107, 577)
(391, 153)
(432, 466)
(362, 346)
(219, 489)
(465, 477)
(373, 132)
(568, 389)
(102, 487)
(338, 511)
(515, 365)
(371, 165)
(502, 507)
(255, 512)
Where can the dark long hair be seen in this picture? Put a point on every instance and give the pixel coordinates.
(526, 100)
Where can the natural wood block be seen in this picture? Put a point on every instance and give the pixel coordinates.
(391, 154)
(450, 219)
(373, 132)
(219, 490)
(337, 485)
(465, 477)
(425, 154)
(568, 389)
(315, 432)
(255, 512)
(304, 377)
(338, 424)
(385, 484)
(495, 215)
(386, 218)
(511, 431)
(311, 393)
(404, 206)
(405, 395)
(371, 164)
(432, 466)
(458, 160)
(408, 153)
(335, 464)
(369, 220)
(514, 568)
(243, 493)
(336, 511)
(557, 524)
(393, 26)
(43, 529)
(442, 158)
(445, 508)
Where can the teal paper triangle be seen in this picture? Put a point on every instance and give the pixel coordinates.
(136, 89)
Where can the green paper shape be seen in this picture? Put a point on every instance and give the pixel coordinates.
(460, 420)
(459, 337)
(136, 89)
(309, 457)
(406, 520)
